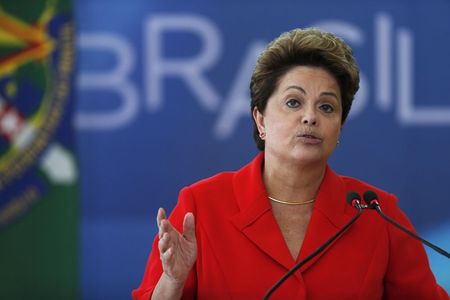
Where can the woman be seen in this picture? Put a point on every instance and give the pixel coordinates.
(232, 236)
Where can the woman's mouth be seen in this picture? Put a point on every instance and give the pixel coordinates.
(310, 139)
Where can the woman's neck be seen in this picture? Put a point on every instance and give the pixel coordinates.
(293, 182)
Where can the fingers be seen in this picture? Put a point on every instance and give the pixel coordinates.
(177, 252)
(165, 250)
(164, 243)
(161, 215)
(169, 235)
(163, 224)
(166, 233)
(189, 227)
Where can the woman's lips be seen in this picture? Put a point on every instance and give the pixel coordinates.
(310, 139)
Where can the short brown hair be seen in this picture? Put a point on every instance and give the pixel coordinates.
(303, 47)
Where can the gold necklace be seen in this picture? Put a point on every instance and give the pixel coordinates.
(291, 203)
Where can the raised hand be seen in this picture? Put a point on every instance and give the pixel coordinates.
(178, 251)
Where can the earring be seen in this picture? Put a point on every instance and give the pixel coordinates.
(262, 135)
(338, 142)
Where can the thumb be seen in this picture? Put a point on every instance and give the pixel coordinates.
(189, 227)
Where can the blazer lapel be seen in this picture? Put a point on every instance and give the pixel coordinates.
(331, 212)
(255, 219)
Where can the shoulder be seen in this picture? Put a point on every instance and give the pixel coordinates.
(203, 196)
(209, 190)
(226, 184)
(219, 193)
(219, 181)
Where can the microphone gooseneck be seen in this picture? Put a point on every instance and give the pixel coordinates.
(354, 199)
(371, 199)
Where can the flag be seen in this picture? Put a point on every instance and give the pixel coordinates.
(38, 168)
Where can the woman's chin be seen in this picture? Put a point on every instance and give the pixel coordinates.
(299, 155)
(307, 157)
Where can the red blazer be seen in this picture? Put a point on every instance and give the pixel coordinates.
(242, 253)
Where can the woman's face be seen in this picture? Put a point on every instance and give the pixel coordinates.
(302, 119)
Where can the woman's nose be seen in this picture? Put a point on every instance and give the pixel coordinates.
(309, 118)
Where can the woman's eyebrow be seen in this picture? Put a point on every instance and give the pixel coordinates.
(297, 87)
(300, 89)
(332, 94)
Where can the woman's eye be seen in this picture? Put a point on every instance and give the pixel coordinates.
(327, 108)
(292, 103)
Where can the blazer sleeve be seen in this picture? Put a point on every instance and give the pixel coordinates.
(408, 274)
(154, 269)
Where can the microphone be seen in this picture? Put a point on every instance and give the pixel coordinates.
(354, 199)
(371, 198)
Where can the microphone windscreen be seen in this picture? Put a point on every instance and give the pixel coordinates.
(353, 196)
(369, 196)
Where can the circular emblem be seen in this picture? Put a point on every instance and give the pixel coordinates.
(36, 65)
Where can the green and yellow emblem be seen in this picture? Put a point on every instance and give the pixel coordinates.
(36, 66)
(38, 169)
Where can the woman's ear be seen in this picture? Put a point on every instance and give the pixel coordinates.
(259, 119)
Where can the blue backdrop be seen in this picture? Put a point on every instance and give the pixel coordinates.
(163, 101)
